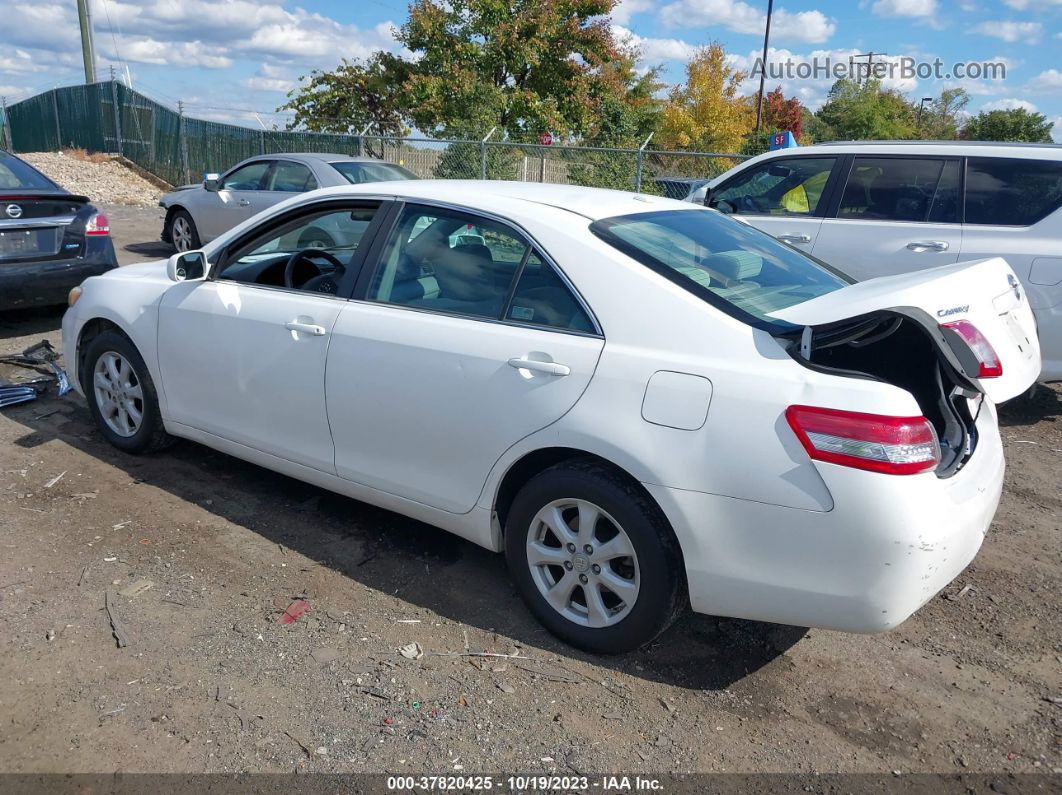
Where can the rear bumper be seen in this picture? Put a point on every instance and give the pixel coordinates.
(48, 283)
(887, 547)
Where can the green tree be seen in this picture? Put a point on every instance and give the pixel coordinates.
(942, 117)
(866, 111)
(353, 95)
(1016, 124)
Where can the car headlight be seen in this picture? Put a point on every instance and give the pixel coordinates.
(73, 295)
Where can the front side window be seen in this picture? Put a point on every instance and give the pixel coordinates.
(247, 177)
(745, 272)
(1011, 192)
(356, 172)
(291, 177)
(312, 252)
(776, 187)
(900, 189)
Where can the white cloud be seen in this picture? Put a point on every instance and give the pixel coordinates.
(152, 51)
(1009, 104)
(625, 9)
(1049, 81)
(1022, 5)
(654, 50)
(812, 27)
(1010, 32)
(905, 8)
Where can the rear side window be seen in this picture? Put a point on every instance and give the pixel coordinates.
(899, 189)
(744, 272)
(776, 187)
(1011, 192)
(16, 174)
(543, 299)
(291, 177)
(358, 172)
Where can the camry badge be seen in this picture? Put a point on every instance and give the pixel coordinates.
(13, 211)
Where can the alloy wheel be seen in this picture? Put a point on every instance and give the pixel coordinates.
(119, 395)
(181, 234)
(583, 563)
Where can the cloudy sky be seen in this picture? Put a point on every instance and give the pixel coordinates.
(236, 59)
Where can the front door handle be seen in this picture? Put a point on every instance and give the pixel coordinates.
(535, 366)
(795, 238)
(928, 245)
(306, 328)
(244, 203)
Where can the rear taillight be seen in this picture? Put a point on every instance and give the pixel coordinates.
(97, 226)
(892, 445)
(989, 365)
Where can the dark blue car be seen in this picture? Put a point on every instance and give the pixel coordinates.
(50, 239)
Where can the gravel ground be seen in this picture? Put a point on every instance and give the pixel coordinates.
(104, 182)
(212, 681)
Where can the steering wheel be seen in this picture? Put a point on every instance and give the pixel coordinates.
(307, 255)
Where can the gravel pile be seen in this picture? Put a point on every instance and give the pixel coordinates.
(104, 182)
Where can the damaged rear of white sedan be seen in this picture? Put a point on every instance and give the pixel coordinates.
(647, 406)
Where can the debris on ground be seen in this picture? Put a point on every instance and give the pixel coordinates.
(117, 626)
(294, 611)
(413, 651)
(136, 588)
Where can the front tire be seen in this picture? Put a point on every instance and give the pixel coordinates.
(594, 558)
(182, 232)
(122, 396)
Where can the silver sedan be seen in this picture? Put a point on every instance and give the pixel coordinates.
(196, 214)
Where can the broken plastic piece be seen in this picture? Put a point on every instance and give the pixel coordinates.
(295, 611)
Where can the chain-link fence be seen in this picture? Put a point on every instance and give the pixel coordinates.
(110, 117)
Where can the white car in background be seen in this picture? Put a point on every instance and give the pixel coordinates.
(645, 404)
(877, 208)
(196, 214)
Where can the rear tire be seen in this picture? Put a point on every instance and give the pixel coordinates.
(608, 589)
(182, 232)
(122, 396)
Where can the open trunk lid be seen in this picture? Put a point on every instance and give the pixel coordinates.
(985, 293)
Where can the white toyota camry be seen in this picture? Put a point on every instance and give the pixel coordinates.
(646, 405)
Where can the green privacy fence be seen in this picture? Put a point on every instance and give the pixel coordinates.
(111, 117)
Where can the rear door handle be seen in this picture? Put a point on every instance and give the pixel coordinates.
(928, 245)
(306, 328)
(244, 203)
(795, 238)
(535, 366)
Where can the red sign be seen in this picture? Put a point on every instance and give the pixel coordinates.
(546, 139)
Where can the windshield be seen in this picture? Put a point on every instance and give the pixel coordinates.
(16, 174)
(358, 172)
(743, 271)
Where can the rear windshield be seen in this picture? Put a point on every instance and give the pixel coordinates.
(739, 269)
(15, 174)
(357, 173)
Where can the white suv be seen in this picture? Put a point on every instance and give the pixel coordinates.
(877, 208)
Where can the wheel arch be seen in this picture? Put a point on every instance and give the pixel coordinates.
(172, 210)
(533, 462)
(89, 331)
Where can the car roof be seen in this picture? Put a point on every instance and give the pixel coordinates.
(954, 148)
(328, 157)
(516, 198)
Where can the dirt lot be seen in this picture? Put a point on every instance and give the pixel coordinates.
(211, 681)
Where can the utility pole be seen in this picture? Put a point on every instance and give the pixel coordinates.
(88, 48)
(763, 65)
(870, 63)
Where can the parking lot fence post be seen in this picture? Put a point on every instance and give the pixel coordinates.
(641, 159)
(58, 130)
(6, 137)
(117, 114)
(483, 153)
(361, 139)
(182, 142)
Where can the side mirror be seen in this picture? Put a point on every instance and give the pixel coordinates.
(187, 266)
(211, 182)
